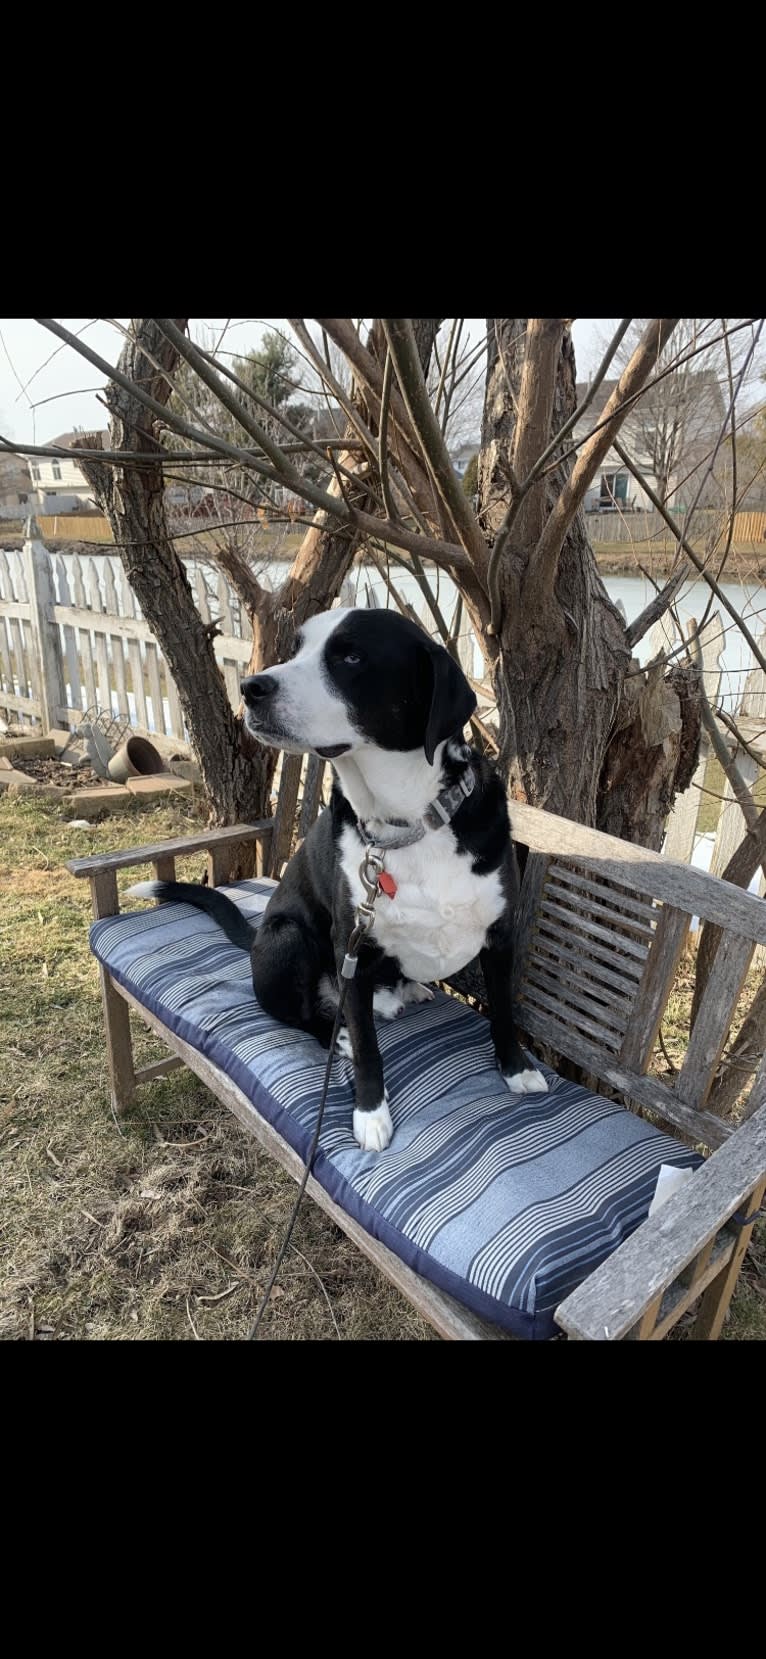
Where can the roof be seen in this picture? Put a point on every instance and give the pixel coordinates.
(72, 440)
(705, 382)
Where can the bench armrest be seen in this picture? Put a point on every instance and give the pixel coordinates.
(207, 840)
(632, 1282)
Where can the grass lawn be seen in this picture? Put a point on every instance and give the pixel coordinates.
(165, 1225)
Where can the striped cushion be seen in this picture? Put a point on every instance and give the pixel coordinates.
(507, 1203)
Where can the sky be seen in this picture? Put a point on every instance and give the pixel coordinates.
(47, 389)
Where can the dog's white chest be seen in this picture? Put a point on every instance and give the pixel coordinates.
(441, 912)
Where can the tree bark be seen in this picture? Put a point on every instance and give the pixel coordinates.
(576, 736)
(236, 774)
(326, 553)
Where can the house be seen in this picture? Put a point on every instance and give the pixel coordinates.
(58, 484)
(669, 434)
(462, 455)
(15, 488)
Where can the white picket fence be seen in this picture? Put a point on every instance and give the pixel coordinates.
(72, 637)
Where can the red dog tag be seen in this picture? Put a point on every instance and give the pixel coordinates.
(387, 884)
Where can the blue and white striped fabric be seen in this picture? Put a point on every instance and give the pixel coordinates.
(507, 1203)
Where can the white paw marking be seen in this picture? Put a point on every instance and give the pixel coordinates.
(387, 1003)
(413, 991)
(373, 1130)
(530, 1081)
(343, 1043)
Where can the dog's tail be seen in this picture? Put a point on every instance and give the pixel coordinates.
(216, 904)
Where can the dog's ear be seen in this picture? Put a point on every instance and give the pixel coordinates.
(452, 700)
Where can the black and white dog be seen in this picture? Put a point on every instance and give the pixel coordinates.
(369, 691)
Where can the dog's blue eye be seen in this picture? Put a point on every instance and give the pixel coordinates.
(352, 658)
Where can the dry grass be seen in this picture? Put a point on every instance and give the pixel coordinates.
(164, 1226)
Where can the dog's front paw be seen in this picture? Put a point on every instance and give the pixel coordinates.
(387, 1003)
(530, 1081)
(373, 1130)
(413, 991)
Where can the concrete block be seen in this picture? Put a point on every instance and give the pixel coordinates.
(42, 747)
(186, 769)
(156, 787)
(108, 797)
(14, 781)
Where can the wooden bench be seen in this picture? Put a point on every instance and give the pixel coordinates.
(601, 928)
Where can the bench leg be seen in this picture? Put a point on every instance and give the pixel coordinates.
(713, 1306)
(119, 1045)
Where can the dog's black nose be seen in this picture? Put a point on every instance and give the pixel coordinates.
(257, 686)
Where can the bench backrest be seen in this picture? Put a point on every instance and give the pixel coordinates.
(601, 928)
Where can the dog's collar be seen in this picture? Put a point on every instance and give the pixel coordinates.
(440, 812)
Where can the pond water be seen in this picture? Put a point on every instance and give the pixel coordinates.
(632, 593)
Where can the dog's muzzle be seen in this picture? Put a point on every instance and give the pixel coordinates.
(256, 687)
(257, 691)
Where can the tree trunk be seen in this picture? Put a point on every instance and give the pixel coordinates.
(578, 735)
(326, 553)
(235, 772)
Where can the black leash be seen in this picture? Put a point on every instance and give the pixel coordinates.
(364, 915)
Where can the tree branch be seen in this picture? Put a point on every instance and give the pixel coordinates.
(698, 563)
(545, 561)
(382, 436)
(429, 547)
(370, 377)
(533, 423)
(401, 341)
(656, 608)
(243, 580)
(581, 409)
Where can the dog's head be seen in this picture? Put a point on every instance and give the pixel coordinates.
(359, 677)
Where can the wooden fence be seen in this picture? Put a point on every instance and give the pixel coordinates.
(72, 638)
(749, 527)
(74, 527)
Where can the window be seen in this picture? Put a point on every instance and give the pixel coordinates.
(56, 469)
(36, 474)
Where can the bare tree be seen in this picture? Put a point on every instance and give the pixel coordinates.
(581, 729)
(669, 430)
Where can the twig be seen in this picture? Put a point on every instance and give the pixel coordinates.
(116, 1120)
(671, 1068)
(313, 1270)
(383, 434)
(698, 563)
(191, 1321)
(755, 754)
(533, 420)
(440, 551)
(573, 420)
(631, 382)
(656, 608)
(401, 341)
(739, 787)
